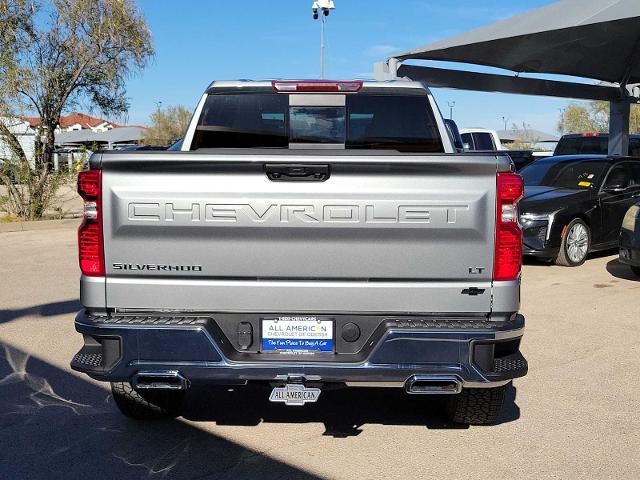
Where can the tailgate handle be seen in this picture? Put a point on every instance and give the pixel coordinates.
(297, 172)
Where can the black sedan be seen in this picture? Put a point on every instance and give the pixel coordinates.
(630, 239)
(575, 204)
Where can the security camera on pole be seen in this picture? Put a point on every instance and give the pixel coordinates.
(324, 6)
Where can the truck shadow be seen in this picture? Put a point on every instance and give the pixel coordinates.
(56, 425)
(342, 411)
(47, 310)
(622, 271)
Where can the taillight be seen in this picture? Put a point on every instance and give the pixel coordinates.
(508, 253)
(316, 86)
(90, 242)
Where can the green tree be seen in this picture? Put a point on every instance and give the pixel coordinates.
(594, 117)
(56, 55)
(167, 125)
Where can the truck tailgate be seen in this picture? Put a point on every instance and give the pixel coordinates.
(382, 234)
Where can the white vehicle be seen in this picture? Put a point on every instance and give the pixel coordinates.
(480, 139)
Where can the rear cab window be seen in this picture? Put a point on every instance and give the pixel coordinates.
(372, 121)
(591, 144)
(468, 141)
(577, 145)
(483, 141)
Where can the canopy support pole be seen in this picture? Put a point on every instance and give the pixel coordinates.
(386, 70)
(620, 111)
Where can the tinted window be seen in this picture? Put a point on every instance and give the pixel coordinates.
(574, 175)
(582, 145)
(592, 146)
(483, 141)
(243, 121)
(265, 120)
(634, 147)
(635, 173)
(316, 125)
(392, 122)
(466, 139)
(619, 177)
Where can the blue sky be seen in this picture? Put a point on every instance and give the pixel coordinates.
(197, 41)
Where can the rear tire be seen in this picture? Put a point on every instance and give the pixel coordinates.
(152, 404)
(476, 406)
(636, 270)
(575, 245)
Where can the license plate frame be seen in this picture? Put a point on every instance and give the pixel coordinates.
(297, 334)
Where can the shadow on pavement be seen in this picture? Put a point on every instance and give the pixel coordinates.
(534, 261)
(343, 411)
(620, 270)
(46, 310)
(55, 425)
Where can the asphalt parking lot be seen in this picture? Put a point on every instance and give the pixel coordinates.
(576, 415)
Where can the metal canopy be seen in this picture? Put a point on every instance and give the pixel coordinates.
(595, 39)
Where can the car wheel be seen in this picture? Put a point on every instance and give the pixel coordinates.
(147, 405)
(476, 406)
(636, 270)
(575, 245)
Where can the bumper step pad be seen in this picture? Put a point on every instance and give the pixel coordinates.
(511, 366)
(446, 324)
(147, 320)
(88, 359)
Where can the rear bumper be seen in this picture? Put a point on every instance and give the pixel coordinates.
(477, 351)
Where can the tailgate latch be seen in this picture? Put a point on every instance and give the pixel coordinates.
(297, 172)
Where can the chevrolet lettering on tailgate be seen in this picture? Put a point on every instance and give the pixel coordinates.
(378, 214)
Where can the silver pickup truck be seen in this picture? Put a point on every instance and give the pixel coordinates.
(307, 235)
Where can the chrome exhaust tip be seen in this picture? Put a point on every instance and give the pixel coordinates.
(433, 385)
(159, 380)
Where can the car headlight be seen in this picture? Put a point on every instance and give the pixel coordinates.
(533, 217)
(538, 225)
(629, 221)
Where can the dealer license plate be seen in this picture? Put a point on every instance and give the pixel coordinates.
(297, 334)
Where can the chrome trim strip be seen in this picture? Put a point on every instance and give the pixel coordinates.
(375, 384)
(505, 334)
(485, 384)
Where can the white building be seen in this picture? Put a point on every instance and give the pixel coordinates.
(77, 121)
(25, 134)
(90, 129)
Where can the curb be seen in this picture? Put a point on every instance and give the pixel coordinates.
(39, 225)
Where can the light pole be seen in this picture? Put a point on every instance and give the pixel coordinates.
(324, 7)
(505, 120)
(451, 105)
